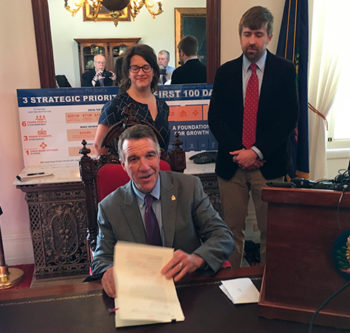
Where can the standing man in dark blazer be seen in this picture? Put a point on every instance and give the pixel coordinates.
(98, 77)
(252, 139)
(191, 69)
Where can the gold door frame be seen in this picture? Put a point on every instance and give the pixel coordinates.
(180, 13)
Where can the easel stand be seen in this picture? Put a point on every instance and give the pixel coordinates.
(9, 277)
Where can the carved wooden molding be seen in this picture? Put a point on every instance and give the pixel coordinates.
(44, 43)
(213, 38)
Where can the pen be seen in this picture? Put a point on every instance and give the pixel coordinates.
(35, 173)
(30, 174)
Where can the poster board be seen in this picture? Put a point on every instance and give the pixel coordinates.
(53, 122)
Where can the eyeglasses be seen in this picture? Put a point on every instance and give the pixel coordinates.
(136, 69)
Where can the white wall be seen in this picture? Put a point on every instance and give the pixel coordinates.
(337, 161)
(18, 69)
(158, 33)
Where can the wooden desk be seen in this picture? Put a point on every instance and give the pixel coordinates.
(84, 308)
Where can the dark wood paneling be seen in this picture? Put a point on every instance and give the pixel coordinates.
(300, 274)
(44, 43)
(213, 38)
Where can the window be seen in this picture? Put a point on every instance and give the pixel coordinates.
(339, 114)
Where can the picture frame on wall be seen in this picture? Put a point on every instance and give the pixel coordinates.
(191, 21)
(104, 14)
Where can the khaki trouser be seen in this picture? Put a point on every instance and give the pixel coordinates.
(234, 194)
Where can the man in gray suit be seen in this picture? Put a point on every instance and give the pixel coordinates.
(185, 218)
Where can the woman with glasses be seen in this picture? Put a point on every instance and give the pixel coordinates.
(140, 75)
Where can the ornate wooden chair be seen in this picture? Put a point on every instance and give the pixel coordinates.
(102, 175)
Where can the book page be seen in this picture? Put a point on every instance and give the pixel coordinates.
(144, 295)
(240, 290)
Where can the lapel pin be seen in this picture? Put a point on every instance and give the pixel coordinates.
(173, 197)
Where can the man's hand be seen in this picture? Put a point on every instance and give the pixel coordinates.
(108, 283)
(181, 264)
(258, 164)
(247, 159)
(113, 76)
(97, 76)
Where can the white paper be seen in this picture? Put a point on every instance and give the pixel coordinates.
(240, 290)
(145, 296)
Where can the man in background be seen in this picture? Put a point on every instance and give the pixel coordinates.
(191, 69)
(98, 77)
(253, 110)
(165, 70)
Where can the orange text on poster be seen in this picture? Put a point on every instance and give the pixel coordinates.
(82, 117)
(80, 134)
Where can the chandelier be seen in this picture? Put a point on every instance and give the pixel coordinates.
(116, 7)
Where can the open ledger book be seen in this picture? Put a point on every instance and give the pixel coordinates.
(145, 296)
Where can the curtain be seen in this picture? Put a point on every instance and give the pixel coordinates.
(323, 75)
(293, 44)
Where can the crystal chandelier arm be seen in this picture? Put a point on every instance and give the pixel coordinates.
(94, 4)
(135, 6)
(75, 9)
(154, 7)
(96, 7)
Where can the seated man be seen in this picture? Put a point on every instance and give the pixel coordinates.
(181, 215)
(98, 77)
(165, 70)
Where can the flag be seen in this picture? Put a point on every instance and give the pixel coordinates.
(293, 44)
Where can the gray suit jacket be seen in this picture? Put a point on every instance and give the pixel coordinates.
(190, 222)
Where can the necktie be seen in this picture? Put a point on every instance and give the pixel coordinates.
(164, 79)
(102, 81)
(251, 103)
(151, 223)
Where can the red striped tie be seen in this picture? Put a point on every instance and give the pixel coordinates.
(251, 103)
